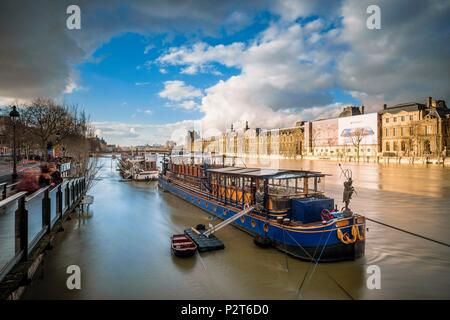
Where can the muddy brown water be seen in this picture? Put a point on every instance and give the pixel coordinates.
(123, 247)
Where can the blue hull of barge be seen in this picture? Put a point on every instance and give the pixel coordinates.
(308, 244)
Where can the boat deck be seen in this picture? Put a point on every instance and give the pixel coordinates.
(205, 243)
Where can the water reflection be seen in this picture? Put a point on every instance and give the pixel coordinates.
(124, 248)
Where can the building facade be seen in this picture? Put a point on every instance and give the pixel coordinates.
(415, 129)
(410, 129)
(353, 134)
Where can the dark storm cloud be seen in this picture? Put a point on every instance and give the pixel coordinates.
(407, 59)
(37, 51)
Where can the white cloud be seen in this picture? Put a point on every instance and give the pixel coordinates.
(279, 71)
(137, 134)
(199, 57)
(73, 85)
(146, 111)
(177, 90)
(148, 48)
(189, 105)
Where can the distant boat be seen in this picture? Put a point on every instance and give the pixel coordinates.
(183, 246)
(139, 168)
(146, 175)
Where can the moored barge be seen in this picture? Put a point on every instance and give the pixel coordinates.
(290, 209)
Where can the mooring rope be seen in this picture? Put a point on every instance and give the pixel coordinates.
(409, 232)
(341, 287)
(314, 265)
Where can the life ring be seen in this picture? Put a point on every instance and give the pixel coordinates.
(345, 237)
(361, 235)
(326, 215)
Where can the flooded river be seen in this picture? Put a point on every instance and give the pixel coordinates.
(123, 247)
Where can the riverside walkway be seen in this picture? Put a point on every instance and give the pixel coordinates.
(26, 226)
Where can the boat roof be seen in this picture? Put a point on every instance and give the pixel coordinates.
(267, 173)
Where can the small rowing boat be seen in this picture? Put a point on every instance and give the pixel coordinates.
(183, 246)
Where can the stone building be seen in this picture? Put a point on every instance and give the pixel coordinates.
(351, 111)
(415, 129)
(291, 141)
(409, 129)
(254, 143)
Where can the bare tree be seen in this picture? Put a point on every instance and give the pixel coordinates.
(92, 172)
(315, 134)
(26, 142)
(356, 138)
(52, 123)
(415, 138)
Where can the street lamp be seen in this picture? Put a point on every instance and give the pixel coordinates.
(14, 115)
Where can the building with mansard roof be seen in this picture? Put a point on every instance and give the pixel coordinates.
(416, 129)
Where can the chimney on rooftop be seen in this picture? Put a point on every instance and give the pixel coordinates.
(430, 102)
(361, 109)
(384, 106)
(246, 125)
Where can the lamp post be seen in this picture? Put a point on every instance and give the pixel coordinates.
(14, 115)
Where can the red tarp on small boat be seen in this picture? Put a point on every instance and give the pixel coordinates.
(183, 246)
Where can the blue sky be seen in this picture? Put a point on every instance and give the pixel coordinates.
(120, 83)
(147, 71)
(122, 80)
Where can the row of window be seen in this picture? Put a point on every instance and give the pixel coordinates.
(392, 132)
(395, 146)
(401, 118)
(348, 150)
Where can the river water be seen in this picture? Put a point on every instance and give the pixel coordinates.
(123, 247)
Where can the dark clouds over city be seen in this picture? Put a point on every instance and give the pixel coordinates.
(288, 70)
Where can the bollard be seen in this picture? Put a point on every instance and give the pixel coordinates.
(67, 197)
(3, 186)
(72, 193)
(21, 232)
(59, 204)
(46, 207)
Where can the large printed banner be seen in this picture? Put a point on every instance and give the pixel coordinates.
(363, 128)
(324, 133)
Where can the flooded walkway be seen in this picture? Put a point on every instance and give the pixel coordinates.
(123, 248)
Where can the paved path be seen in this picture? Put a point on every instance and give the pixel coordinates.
(6, 169)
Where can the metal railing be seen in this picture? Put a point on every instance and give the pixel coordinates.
(25, 219)
(7, 189)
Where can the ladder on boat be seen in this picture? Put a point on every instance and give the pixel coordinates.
(247, 209)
